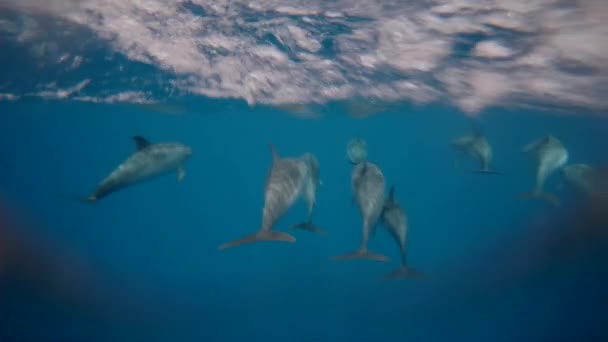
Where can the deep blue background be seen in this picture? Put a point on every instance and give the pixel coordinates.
(152, 249)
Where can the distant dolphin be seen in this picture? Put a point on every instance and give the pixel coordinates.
(586, 179)
(356, 151)
(149, 161)
(550, 156)
(478, 147)
(310, 192)
(395, 220)
(283, 187)
(368, 186)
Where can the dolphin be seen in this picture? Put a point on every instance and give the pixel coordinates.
(310, 192)
(550, 155)
(368, 185)
(477, 146)
(149, 161)
(395, 220)
(356, 151)
(283, 187)
(586, 179)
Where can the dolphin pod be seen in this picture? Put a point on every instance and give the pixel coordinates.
(292, 178)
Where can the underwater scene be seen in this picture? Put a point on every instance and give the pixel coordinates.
(303, 170)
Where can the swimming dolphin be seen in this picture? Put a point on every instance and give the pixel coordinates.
(550, 156)
(368, 185)
(395, 220)
(586, 179)
(149, 161)
(356, 151)
(478, 147)
(283, 187)
(310, 192)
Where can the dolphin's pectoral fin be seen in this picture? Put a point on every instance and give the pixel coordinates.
(404, 272)
(547, 197)
(309, 226)
(181, 173)
(262, 235)
(362, 254)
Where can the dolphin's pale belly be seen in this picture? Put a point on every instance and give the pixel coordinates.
(554, 160)
(371, 202)
(138, 168)
(284, 185)
(368, 187)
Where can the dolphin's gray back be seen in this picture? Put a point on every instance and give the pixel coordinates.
(152, 161)
(368, 186)
(283, 186)
(396, 223)
(395, 220)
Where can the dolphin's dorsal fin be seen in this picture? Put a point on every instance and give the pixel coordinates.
(273, 150)
(140, 142)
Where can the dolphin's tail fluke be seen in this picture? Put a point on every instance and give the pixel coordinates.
(486, 172)
(362, 254)
(309, 226)
(547, 197)
(262, 235)
(403, 272)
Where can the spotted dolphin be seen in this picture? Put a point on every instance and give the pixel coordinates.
(368, 185)
(477, 146)
(149, 161)
(550, 156)
(283, 187)
(310, 192)
(395, 221)
(586, 179)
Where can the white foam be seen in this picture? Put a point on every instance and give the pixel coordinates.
(491, 49)
(399, 51)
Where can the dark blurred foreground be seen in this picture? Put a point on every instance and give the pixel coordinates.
(557, 266)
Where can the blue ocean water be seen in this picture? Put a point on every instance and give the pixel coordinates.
(148, 260)
(78, 80)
